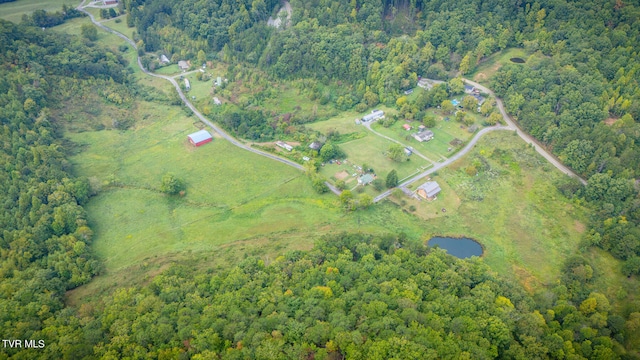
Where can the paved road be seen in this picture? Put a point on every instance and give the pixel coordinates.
(184, 99)
(368, 126)
(526, 137)
(438, 166)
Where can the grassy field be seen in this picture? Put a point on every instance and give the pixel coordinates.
(238, 203)
(13, 11)
(510, 206)
(490, 65)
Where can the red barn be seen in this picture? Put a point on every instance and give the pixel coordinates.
(200, 138)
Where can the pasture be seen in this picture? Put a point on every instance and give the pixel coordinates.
(489, 66)
(14, 10)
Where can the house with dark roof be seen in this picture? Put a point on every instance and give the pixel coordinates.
(424, 135)
(471, 90)
(316, 145)
(428, 190)
(200, 138)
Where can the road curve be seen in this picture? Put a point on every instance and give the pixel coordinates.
(438, 166)
(184, 99)
(526, 137)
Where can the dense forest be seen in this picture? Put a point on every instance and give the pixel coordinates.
(45, 240)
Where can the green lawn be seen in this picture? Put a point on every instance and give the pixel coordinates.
(13, 11)
(490, 65)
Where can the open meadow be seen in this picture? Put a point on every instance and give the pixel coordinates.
(14, 10)
(489, 66)
(239, 204)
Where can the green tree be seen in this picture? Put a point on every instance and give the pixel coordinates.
(365, 201)
(494, 118)
(486, 108)
(112, 13)
(456, 86)
(392, 179)
(429, 121)
(396, 152)
(460, 115)
(469, 102)
(89, 32)
(465, 63)
(202, 57)
(447, 107)
(171, 184)
(327, 152)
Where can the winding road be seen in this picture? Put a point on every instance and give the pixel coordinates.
(511, 125)
(526, 137)
(184, 99)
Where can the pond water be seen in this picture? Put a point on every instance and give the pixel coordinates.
(460, 248)
(517, 60)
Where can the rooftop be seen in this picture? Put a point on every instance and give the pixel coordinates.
(198, 136)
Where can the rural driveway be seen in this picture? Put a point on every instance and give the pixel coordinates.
(438, 166)
(368, 126)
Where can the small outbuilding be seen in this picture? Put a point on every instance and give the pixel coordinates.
(183, 65)
(406, 127)
(187, 84)
(164, 59)
(428, 190)
(316, 145)
(200, 138)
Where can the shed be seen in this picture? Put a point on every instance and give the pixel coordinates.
(315, 145)
(164, 59)
(200, 138)
(428, 190)
(187, 84)
(217, 101)
(183, 65)
(406, 127)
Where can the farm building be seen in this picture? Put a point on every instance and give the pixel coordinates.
(217, 101)
(375, 114)
(200, 138)
(315, 145)
(365, 179)
(284, 145)
(164, 59)
(408, 151)
(428, 190)
(408, 92)
(428, 84)
(110, 2)
(425, 135)
(183, 65)
(406, 127)
(187, 84)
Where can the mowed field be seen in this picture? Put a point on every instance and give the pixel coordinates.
(13, 11)
(493, 63)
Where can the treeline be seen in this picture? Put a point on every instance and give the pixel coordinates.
(45, 240)
(580, 97)
(355, 297)
(46, 19)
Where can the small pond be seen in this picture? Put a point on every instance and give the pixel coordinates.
(517, 60)
(460, 248)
